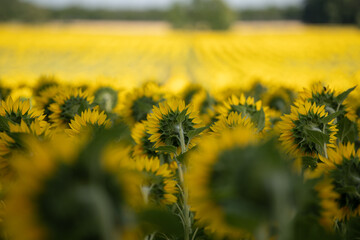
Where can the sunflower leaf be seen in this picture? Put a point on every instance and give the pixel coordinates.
(342, 96)
(331, 117)
(166, 149)
(259, 119)
(193, 133)
(317, 136)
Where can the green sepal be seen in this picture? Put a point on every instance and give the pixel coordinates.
(342, 96)
(4, 124)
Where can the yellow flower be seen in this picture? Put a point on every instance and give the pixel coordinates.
(46, 98)
(143, 146)
(18, 110)
(139, 103)
(233, 120)
(170, 124)
(324, 95)
(58, 186)
(339, 190)
(68, 104)
(258, 114)
(212, 151)
(205, 104)
(159, 184)
(87, 120)
(297, 127)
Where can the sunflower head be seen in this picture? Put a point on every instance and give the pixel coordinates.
(205, 104)
(106, 98)
(334, 101)
(307, 131)
(279, 99)
(46, 98)
(18, 111)
(248, 108)
(233, 120)
(88, 120)
(69, 104)
(44, 82)
(93, 202)
(173, 124)
(339, 191)
(158, 184)
(139, 103)
(233, 180)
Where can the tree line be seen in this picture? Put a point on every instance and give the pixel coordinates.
(195, 14)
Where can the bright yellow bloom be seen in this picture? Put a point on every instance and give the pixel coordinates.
(170, 123)
(295, 126)
(257, 113)
(233, 120)
(208, 211)
(88, 120)
(68, 104)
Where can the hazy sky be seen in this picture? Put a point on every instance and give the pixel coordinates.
(139, 4)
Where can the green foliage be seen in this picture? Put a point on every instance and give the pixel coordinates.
(202, 14)
(331, 11)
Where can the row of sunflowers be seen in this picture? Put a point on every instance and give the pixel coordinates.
(266, 162)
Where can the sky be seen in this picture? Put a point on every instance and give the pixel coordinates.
(143, 4)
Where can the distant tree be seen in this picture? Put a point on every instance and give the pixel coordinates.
(213, 14)
(331, 11)
(21, 11)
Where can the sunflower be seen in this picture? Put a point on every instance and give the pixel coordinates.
(12, 142)
(279, 99)
(88, 119)
(93, 202)
(140, 102)
(172, 123)
(339, 190)
(69, 104)
(18, 111)
(233, 120)
(143, 146)
(43, 83)
(213, 163)
(306, 131)
(324, 95)
(107, 98)
(205, 104)
(47, 97)
(248, 108)
(159, 184)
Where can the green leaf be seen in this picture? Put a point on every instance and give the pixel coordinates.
(259, 119)
(330, 117)
(4, 125)
(167, 149)
(317, 136)
(193, 133)
(342, 96)
(347, 131)
(160, 220)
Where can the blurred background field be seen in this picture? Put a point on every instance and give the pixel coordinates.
(132, 52)
(173, 42)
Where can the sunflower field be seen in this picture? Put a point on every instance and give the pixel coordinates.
(112, 133)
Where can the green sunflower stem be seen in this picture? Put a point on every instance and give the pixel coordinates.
(182, 139)
(185, 208)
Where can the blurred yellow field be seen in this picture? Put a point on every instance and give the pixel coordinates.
(132, 53)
